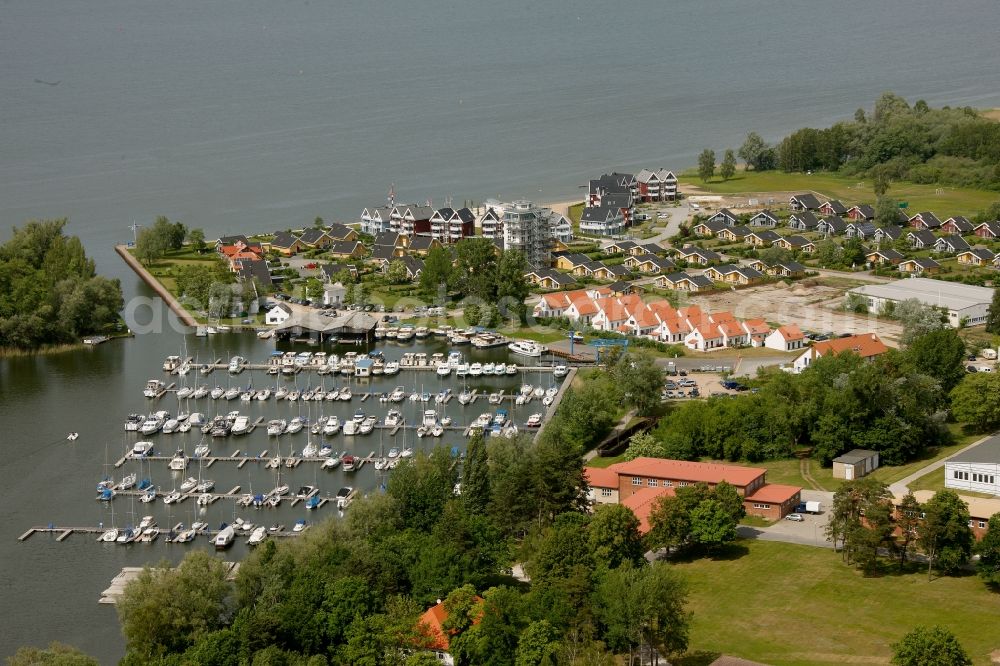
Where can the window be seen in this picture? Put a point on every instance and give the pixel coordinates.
(982, 524)
(982, 478)
(652, 483)
(636, 481)
(761, 506)
(668, 483)
(960, 475)
(605, 492)
(683, 483)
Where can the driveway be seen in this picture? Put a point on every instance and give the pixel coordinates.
(810, 532)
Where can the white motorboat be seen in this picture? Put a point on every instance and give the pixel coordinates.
(406, 453)
(236, 364)
(109, 536)
(393, 418)
(293, 395)
(534, 421)
(204, 499)
(171, 363)
(560, 371)
(141, 449)
(148, 496)
(381, 464)
(526, 348)
(310, 450)
(366, 426)
(276, 427)
(446, 421)
(179, 461)
(462, 369)
(489, 369)
(171, 497)
(393, 452)
(224, 539)
(217, 393)
(526, 390)
(201, 451)
(551, 392)
(299, 526)
(153, 423)
(495, 398)
(476, 369)
(170, 426)
(398, 394)
(437, 430)
(127, 482)
(184, 392)
(443, 370)
(257, 536)
(184, 427)
(200, 392)
(511, 369)
(295, 425)
(539, 392)
(548, 400)
(331, 463)
(332, 426)
(350, 427)
(241, 425)
(465, 397)
(205, 486)
(197, 419)
(231, 393)
(189, 484)
(430, 418)
(263, 395)
(344, 497)
(345, 393)
(422, 431)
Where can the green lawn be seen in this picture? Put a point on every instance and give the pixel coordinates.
(788, 604)
(789, 472)
(605, 461)
(934, 481)
(950, 201)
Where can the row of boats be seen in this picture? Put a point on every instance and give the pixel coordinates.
(147, 531)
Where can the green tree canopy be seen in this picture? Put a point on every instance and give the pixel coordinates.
(976, 400)
(945, 535)
(728, 167)
(933, 646)
(706, 165)
(56, 654)
(438, 273)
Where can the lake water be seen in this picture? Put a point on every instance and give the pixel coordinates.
(242, 116)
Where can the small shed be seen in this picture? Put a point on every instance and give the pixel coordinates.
(855, 464)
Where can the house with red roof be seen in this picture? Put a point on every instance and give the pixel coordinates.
(643, 502)
(757, 330)
(786, 338)
(433, 636)
(865, 345)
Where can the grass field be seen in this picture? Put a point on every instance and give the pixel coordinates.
(889, 475)
(934, 481)
(944, 202)
(790, 472)
(787, 604)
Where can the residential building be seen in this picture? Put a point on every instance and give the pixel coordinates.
(525, 228)
(652, 264)
(785, 338)
(833, 207)
(376, 219)
(549, 278)
(980, 509)
(763, 238)
(697, 255)
(278, 314)
(757, 330)
(346, 250)
(316, 238)
(807, 201)
(684, 282)
(621, 247)
(957, 225)
(919, 266)
(803, 221)
(792, 242)
(560, 228)
(861, 230)
(925, 220)
(921, 239)
(410, 219)
(422, 244)
(962, 302)
(333, 294)
(611, 183)
(988, 230)
(855, 464)
(433, 637)
(976, 469)
(737, 233)
(951, 244)
(888, 234)
(490, 222)
(861, 212)
(977, 256)
(865, 345)
(764, 218)
(654, 186)
(732, 274)
(602, 221)
(450, 226)
(708, 228)
(887, 257)
(832, 225)
(623, 203)
(602, 485)
(726, 216)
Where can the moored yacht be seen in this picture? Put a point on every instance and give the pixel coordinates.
(526, 348)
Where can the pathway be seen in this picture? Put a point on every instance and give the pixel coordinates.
(807, 474)
(902, 486)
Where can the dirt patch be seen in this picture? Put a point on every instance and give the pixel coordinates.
(813, 306)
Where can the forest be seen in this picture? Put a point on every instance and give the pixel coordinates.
(893, 141)
(50, 292)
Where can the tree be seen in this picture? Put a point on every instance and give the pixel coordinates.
(511, 284)
(318, 222)
(774, 254)
(852, 252)
(313, 288)
(934, 646)
(993, 314)
(728, 167)
(438, 273)
(886, 212)
(396, 273)
(828, 253)
(538, 645)
(706, 164)
(669, 524)
(908, 526)
(477, 264)
(917, 319)
(640, 380)
(150, 245)
(752, 150)
(56, 654)
(712, 525)
(644, 445)
(166, 610)
(880, 181)
(860, 520)
(196, 237)
(945, 535)
(940, 354)
(614, 536)
(476, 475)
(988, 550)
(976, 400)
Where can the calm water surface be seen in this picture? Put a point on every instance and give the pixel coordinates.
(238, 116)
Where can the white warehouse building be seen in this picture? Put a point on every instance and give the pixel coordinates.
(963, 302)
(977, 469)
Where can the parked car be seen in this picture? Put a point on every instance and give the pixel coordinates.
(971, 368)
(797, 517)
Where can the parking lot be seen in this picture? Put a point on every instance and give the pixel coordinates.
(810, 531)
(695, 384)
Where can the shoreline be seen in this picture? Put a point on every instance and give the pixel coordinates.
(186, 318)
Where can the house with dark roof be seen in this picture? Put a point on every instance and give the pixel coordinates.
(888, 233)
(421, 244)
(987, 230)
(624, 288)
(919, 266)
(803, 221)
(764, 218)
(708, 228)
(611, 183)
(833, 207)
(410, 219)
(957, 225)
(614, 272)
(733, 274)
(316, 238)
(977, 256)
(697, 255)
(647, 248)
(623, 203)
(286, 244)
(832, 225)
(587, 268)
(254, 270)
(807, 201)
(375, 220)
(762, 238)
(549, 278)
(652, 264)
(601, 221)
(791, 242)
(414, 266)
(737, 233)
(861, 212)
(450, 226)
(786, 269)
(683, 281)
(885, 257)
(925, 220)
(726, 216)
(330, 270)
(921, 239)
(347, 250)
(342, 232)
(570, 260)
(860, 230)
(621, 247)
(952, 244)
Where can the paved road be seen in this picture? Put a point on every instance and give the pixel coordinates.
(664, 228)
(902, 486)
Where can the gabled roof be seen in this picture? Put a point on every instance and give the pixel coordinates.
(739, 231)
(805, 218)
(954, 241)
(713, 226)
(390, 238)
(283, 239)
(620, 287)
(865, 345)
(725, 213)
(887, 253)
(925, 236)
(766, 235)
(928, 218)
(617, 200)
(701, 281)
(796, 240)
(791, 332)
(791, 266)
(386, 252)
(731, 329)
(250, 269)
(980, 252)
(601, 214)
(345, 247)
(690, 250)
(807, 201)
(431, 626)
(963, 224)
(863, 228)
(624, 245)
(994, 227)
(774, 493)
(924, 263)
(329, 270)
(892, 231)
(837, 207)
(651, 248)
(600, 477)
(756, 326)
(312, 236)
(866, 211)
(233, 240)
(339, 231)
(617, 270)
(642, 503)
(768, 214)
(692, 472)
(662, 262)
(413, 265)
(552, 274)
(834, 223)
(419, 243)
